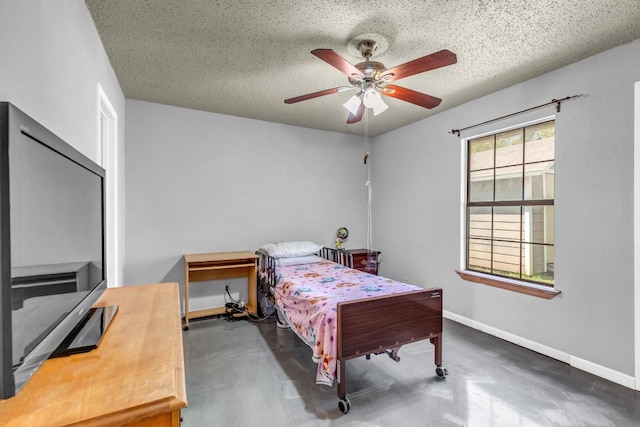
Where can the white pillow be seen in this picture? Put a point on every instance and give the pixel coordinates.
(291, 249)
(299, 260)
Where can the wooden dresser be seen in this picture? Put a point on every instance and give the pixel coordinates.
(134, 378)
(365, 260)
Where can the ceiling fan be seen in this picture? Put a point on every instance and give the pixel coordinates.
(373, 78)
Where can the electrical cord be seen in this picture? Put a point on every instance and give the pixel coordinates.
(257, 319)
(235, 306)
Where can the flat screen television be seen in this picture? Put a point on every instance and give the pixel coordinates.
(52, 250)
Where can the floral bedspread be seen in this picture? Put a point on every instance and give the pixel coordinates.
(307, 295)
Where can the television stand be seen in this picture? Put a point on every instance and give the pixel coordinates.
(135, 377)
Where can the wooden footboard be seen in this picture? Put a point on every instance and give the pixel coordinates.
(377, 324)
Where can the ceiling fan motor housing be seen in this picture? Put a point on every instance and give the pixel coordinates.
(372, 71)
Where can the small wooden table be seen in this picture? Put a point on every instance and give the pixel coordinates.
(220, 266)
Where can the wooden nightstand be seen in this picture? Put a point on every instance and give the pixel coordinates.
(365, 260)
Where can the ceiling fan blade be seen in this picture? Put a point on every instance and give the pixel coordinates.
(420, 65)
(332, 58)
(412, 96)
(315, 94)
(355, 118)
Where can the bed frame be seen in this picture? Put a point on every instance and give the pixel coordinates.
(379, 325)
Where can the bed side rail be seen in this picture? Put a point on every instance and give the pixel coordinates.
(339, 256)
(267, 266)
(266, 271)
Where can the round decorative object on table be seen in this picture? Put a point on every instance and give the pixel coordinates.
(341, 236)
(343, 233)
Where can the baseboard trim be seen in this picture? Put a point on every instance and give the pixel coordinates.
(603, 372)
(576, 362)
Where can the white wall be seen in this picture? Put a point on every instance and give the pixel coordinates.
(51, 62)
(202, 182)
(417, 206)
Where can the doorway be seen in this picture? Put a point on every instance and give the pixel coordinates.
(108, 151)
(636, 229)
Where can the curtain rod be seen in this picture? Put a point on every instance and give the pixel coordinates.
(553, 101)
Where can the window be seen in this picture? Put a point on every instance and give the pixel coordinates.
(510, 204)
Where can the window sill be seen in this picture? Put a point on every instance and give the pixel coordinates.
(511, 285)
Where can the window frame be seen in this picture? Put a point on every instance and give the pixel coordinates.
(513, 284)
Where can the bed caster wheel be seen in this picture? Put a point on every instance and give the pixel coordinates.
(441, 372)
(344, 405)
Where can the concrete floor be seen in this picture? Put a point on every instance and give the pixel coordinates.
(254, 374)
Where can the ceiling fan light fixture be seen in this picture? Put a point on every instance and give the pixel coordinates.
(380, 107)
(372, 99)
(353, 104)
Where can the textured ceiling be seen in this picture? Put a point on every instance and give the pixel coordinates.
(243, 58)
